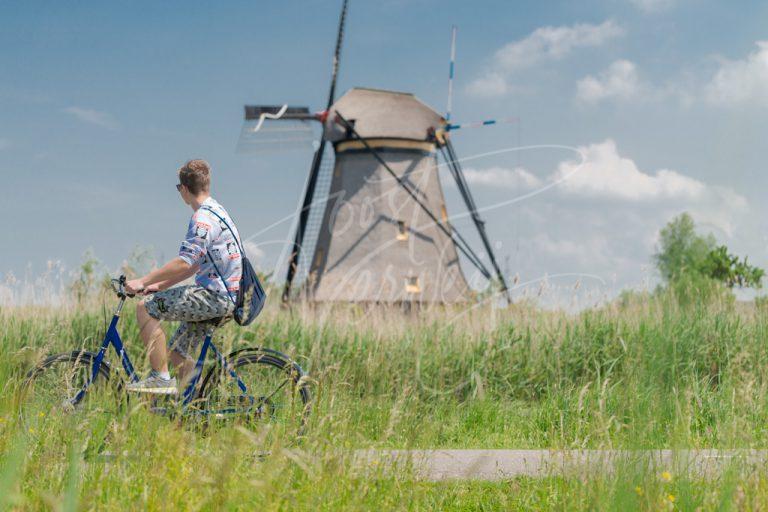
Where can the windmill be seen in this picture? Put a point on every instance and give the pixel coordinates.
(373, 225)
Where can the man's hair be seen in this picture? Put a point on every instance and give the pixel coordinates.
(196, 176)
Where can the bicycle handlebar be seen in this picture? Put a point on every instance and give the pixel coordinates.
(118, 285)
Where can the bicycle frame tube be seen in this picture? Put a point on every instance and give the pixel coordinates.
(189, 391)
(112, 337)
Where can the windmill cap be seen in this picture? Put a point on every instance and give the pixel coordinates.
(384, 114)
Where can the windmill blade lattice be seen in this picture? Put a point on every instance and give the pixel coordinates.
(315, 218)
(269, 129)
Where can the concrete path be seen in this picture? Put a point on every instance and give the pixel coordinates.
(438, 465)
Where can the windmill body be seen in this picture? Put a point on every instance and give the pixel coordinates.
(376, 243)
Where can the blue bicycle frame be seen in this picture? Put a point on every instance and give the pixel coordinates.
(112, 338)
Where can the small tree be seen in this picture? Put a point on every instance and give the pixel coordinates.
(726, 268)
(681, 249)
(685, 255)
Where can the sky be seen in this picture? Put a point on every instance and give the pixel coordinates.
(628, 112)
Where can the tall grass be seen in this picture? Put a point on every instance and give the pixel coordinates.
(644, 373)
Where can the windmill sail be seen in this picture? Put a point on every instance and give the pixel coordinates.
(270, 128)
(298, 241)
(315, 218)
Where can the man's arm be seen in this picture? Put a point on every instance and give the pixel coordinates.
(164, 285)
(169, 274)
(191, 255)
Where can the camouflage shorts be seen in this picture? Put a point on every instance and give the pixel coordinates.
(199, 311)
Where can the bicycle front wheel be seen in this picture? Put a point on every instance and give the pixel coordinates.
(55, 386)
(276, 391)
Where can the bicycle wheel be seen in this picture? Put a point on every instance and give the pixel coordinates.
(53, 387)
(277, 391)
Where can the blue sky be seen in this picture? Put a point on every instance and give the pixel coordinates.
(665, 99)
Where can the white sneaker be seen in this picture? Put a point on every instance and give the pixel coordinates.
(155, 384)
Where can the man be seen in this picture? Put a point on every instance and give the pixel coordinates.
(206, 252)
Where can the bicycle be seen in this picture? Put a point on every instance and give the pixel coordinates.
(229, 388)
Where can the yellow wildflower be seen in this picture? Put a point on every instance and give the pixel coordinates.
(671, 498)
(666, 476)
(639, 490)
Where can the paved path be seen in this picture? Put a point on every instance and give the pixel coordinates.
(437, 465)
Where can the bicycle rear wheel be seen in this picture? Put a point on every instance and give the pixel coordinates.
(54, 387)
(277, 392)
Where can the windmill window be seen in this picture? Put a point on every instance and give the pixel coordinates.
(402, 230)
(412, 285)
(318, 257)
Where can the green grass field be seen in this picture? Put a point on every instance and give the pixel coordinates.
(642, 374)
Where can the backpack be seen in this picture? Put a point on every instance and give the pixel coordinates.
(251, 295)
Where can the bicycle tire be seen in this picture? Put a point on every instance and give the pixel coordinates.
(266, 358)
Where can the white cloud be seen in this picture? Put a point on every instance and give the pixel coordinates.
(651, 6)
(605, 173)
(545, 43)
(554, 43)
(736, 83)
(96, 117)
(720, 209)
(517, 178)
(601, 173)
(491, 85)
(619, 81)
(741, 82)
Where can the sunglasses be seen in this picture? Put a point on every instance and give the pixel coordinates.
(178, 187)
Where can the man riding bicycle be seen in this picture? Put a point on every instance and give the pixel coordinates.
(210, 252)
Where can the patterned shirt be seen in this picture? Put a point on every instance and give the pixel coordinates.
(208, 237)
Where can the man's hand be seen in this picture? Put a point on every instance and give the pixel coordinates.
(152, 288)
(134, 286)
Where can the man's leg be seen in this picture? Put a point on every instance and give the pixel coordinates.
(184, 366)
(184, 349)
(159, 380)
(154, 339)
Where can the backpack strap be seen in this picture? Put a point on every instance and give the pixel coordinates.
(242, 253)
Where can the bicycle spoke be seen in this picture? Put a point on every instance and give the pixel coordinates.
(275, 391)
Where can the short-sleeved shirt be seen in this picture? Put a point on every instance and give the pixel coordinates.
(209, 241)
